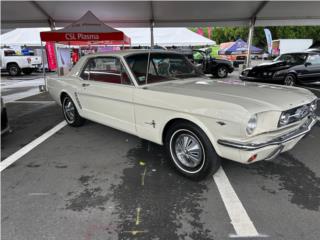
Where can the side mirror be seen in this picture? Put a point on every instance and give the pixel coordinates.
(208, 50)
(308, 64)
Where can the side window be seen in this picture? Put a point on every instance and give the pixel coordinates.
(9, 53)
(105, 69)
(314, 59)
(281, 57)
(288, 58)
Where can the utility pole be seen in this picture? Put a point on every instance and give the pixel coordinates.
(250, 37)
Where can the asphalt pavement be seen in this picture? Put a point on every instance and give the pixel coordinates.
(95, 182)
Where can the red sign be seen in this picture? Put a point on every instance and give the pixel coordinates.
(82, 36)
(51, 56)
(75, 38)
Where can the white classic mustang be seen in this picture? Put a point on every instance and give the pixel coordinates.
(169, 102)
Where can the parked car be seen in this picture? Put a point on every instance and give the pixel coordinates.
(265, 56)
(199, 120)
(4, 118)
(15, 64)
(238, 60)
(313, 50)
(288, 69)
(217, 67)
(185, 51)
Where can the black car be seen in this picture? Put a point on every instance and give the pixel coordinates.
(288, 69)
(217, 67)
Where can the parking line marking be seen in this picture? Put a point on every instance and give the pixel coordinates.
(23, 151)
(135, 232)
(240, 220)
(143, 176)
(42, 102)
(38, 194)
(138, 216)
(20, 95)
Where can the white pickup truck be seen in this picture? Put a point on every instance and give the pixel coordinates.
(15, 64)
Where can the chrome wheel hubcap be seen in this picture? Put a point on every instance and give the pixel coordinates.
(188, 150)
(69, 110)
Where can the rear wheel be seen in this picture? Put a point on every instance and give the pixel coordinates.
(190, 150)
(290, 80)
(70, 113)
(14, 69)
(222, 71)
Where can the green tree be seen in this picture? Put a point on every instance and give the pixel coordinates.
(228, 34)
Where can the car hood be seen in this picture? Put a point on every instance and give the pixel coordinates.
(254, 97)
(271, 66)
(218, 60)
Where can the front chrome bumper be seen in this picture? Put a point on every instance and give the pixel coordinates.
(302, 130)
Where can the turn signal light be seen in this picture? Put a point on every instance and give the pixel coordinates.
(252, 158)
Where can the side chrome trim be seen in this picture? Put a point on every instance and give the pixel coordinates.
(302, 130)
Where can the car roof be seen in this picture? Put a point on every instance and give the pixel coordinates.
(127, 52)
(302, 52)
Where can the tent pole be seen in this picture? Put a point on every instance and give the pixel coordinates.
(250, 37)
(43, 88)
(152, 36)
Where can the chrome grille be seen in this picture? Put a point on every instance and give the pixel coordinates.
(296, 114)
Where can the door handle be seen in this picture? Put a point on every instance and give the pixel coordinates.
(85, 84)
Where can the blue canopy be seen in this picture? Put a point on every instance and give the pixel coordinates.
(239, 47)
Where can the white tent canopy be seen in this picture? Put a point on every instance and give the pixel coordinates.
(162, 13)
(139, 36)
(22, 36)
(166, 37)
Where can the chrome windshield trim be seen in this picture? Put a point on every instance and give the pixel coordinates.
(302, 130)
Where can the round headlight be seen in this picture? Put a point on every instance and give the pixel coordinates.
(313, 106)
(252, 124)
(284, 119)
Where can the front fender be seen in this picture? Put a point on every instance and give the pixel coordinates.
(213, 128)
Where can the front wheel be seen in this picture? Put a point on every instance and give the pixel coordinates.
(190, 150)
(70, 113)
(222, 72)
(290, 80)
(14, 70)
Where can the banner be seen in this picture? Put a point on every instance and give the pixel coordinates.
(269, 39)
(51, 56)
(83, 38)
(200, 31)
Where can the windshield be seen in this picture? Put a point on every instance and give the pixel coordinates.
(292, 59)
(162, 67)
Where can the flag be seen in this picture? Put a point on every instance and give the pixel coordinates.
(269, 39)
